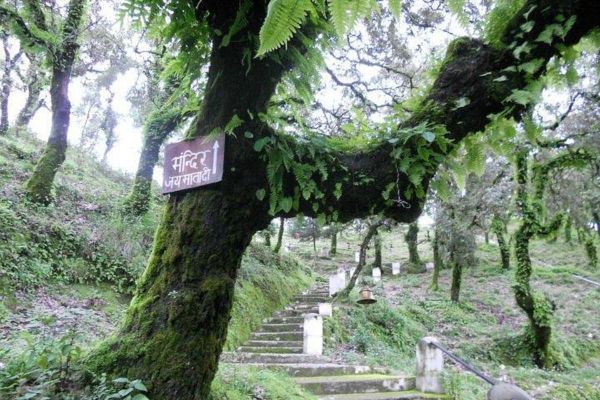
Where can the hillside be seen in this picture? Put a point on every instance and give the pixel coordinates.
(68, 272)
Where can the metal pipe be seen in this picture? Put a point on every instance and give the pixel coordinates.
(474, 370)
(587, 280)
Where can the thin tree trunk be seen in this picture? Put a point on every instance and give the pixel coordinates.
(158, 127)
(39, 185)
(414, 260)
(333, 245)
(438, 263)
(377, 243)
(568, 230)
(596, 216)
(499, 230)
(456, 280)
(362, 260)
(267, 237)
(6, 83)
(280, 235)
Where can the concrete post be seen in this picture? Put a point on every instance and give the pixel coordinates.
(376, 275)
(430, 362)
(337, 282)
(429, 267)
(325, 310)
(313, 334)
(395, 268)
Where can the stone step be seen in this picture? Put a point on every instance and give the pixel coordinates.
(294, 313)
(274, 343)
(277, 336)
(285, 320)
(271, 358)
(314, 369)
(348, 384)
(281, 328)
(271, 350)
(310, 299)
(407, 394)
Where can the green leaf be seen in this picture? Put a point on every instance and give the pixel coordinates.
(286, 204)
(462, 102)
(284, 18)
(531, 67)
(140, 396)
(572, 76)
(428, 136)
(260, 143)
(140, 386)
(522, 97)
(395, 7)
(260, 194)
(501, 78)
(234, 122)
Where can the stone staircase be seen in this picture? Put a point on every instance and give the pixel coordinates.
(278, 344)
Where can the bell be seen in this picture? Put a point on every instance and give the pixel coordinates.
(365, 296)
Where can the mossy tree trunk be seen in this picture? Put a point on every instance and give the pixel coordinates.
(157, 128)
(457, 270)
(333, 244)
(596, 216)
(377, 244)
(267, 237)
(568, 230)
(39, 186)
(411, 239)
(590, 248)
(499, 230)
(178, 317)
(277, 248)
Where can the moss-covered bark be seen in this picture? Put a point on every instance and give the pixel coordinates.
(377, 244)
(411, 238)
(159, 125)
(333, 244)
(39, 186)
(590, 248)
(457, 270)
(499, 230)
(33, 103)
(277, 248)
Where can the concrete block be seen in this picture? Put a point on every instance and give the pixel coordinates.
(376, 275)
(395, 268)
(325, 309)
(430, 363)
(313, 334)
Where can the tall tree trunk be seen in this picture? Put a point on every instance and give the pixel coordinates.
(438, 263)
(457, 269)
(333, 245)
(487, 237)
(499, 230)
(267, 237)
(590, 248)
(538, 307)
(158, 127)
(39, 185)
(596, 216)
(569, 230)
(377, 244)
(411, 238)
(182, 306)
(277, 248)
(6, 82)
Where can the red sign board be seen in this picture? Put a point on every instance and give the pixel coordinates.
(193, 163)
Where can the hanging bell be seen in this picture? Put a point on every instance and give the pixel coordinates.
(365, 296)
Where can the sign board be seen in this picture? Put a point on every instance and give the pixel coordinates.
(193, 163)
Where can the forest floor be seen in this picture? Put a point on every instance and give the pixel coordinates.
(486, 327)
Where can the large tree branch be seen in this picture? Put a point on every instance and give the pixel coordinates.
(18, 26)
(470, 71)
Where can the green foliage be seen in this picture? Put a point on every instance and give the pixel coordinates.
(242, 382)
(40, 371)
(118, 388)
(284, 18)
(499, 18)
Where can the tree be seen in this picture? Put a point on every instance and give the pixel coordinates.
(532, 185)
(411, 238)
(377, 244)
(35, 81)
(182, 305)
(61, 51)
(9, 64)
(280, 235)
(499, 229)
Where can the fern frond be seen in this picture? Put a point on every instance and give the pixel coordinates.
(395, 7)
(338, 16)
(284, 17)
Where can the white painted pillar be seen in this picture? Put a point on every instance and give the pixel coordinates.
(430, 362)
(325, 310)
(376, 275)
(395, 268)
(357, 256)
(313, 334)
(337, 282)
